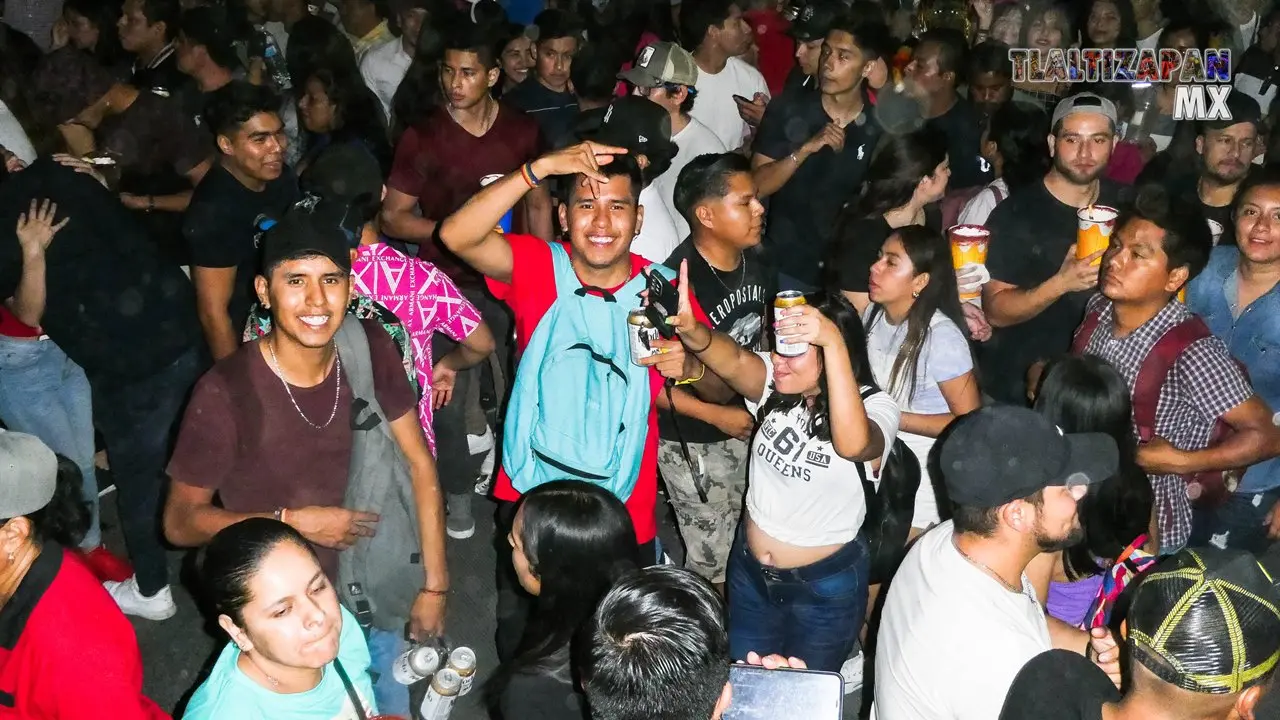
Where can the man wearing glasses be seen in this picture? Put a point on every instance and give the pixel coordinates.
(666, 74)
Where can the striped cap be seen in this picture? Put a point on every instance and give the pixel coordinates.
(1208, 620)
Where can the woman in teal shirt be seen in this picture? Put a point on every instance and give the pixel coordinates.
(295, 653)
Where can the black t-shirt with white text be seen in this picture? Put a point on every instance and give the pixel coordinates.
(962, 125)
(1031, 232)
(802, 214)
(737, 304)
(220, 228)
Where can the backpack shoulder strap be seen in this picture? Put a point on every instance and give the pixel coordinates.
(566, 279)
(1085, 332)
(353, 350)
(995, 190)
(1155, 370)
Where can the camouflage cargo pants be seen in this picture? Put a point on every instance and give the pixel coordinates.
(706, 527)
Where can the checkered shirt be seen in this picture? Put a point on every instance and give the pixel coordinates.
(1203, 385)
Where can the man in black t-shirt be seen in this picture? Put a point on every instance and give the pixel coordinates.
(204, 53)
(545, 95)
(250, 183)
(149, 30)
(734, 285)
(1038, 289)
(935, 72)
(809, 29)
(99, 291)
(811, 153)
(1226, 149)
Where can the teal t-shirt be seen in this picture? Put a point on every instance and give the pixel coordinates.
(229, 694)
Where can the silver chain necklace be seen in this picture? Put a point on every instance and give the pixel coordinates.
(983, 566)
(337, 391)
(716, 273)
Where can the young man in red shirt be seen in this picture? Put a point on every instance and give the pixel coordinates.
(602, 217)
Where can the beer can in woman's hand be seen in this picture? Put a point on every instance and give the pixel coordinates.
(788, 299)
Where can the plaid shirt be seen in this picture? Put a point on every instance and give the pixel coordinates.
(1203, 385)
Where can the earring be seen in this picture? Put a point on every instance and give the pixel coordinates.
(10, 557)
(915, 294)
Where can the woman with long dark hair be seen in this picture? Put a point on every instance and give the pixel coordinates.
(1086, 394)
(917, 347)
(57, 614)
(1109, 24)
(338, 108)
(1047, 25)
(799, 568)
(570, 541)
(1014, 145)
(907, 173)
(294, 651)
(516, 57)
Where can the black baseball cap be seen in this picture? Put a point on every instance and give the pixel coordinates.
(1207, 620)
(312, 227)
(638, 124)
(1001, 453)
(815, 18)
(1243, 108)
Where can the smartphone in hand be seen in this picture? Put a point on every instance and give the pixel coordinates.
(761, 694)
(664, 302)
(743, 99)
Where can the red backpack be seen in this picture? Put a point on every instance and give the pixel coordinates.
(1204, 489)
(953, 202)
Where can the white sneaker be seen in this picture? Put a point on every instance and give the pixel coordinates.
(851, 671)
(132, 602)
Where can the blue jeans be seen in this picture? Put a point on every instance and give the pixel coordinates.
(138, 420)
(813, 612)
(1238, 524)
(44, 393)
(384, 648)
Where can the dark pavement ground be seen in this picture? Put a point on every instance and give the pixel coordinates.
(177, 652)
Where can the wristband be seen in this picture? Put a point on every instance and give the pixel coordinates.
(690, 381)
(711, 338)
(526, 172)
(151, 203)
(429, 591)
(280, 514)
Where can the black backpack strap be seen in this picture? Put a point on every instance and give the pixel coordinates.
(351, 689)
(684, 446)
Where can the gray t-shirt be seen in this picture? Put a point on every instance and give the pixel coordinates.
(945, 357)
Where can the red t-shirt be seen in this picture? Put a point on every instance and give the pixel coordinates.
(442, 165)
(66, 651)
(11, 326)
(530, 295)
(777, 48)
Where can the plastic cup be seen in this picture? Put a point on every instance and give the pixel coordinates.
(969, 247)
(1093, 231)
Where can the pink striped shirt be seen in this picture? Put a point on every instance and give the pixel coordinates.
(425, 300)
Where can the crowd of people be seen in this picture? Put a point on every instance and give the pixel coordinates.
(303, 282)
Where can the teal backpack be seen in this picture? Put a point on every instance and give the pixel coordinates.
(579, 407)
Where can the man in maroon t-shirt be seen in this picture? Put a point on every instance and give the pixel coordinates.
(268, 429)
(472, 140)
(441, 163)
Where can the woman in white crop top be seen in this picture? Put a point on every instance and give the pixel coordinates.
(797, 576)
